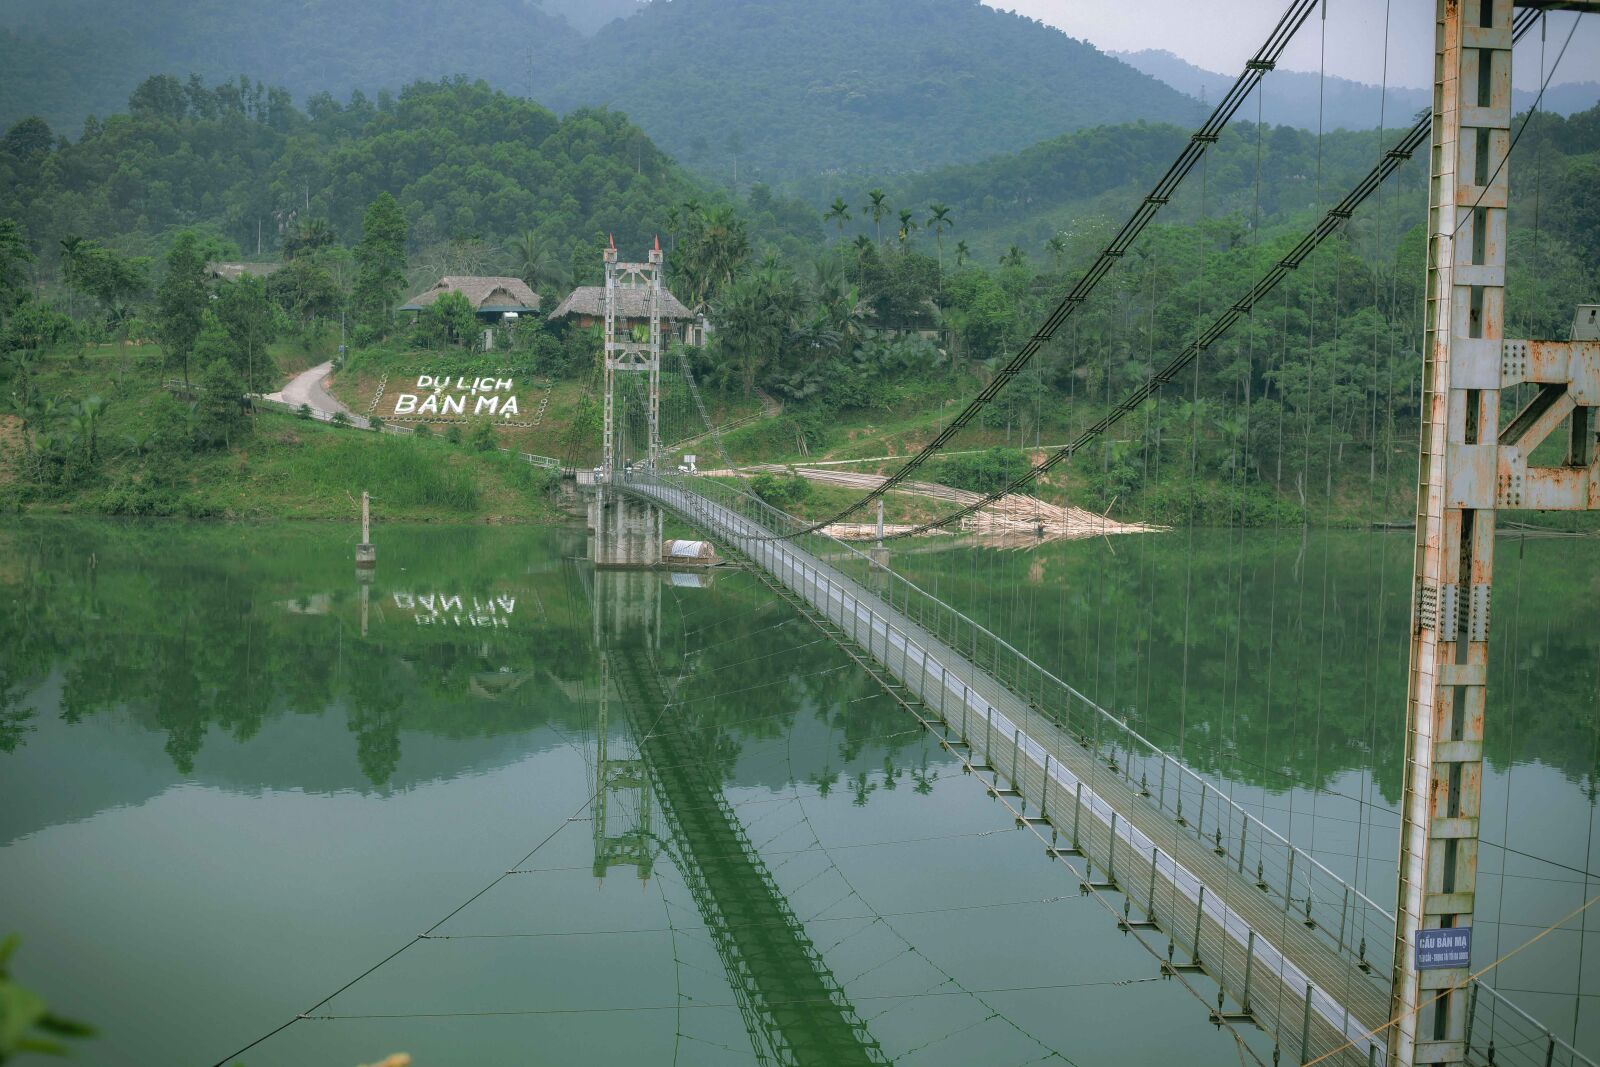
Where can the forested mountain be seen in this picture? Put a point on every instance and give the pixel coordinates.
(783, 89)
(68, 59)
(1292, 96)
(772, 89)
(587, 16)
(468, 166)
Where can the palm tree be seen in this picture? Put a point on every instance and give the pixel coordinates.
(86, 425)
(1013, 257)
(827, 278)
(839, 214)
(908, 226)
(848, 317)
(963, 253)
(72, 248)
(533, 261)
(712, 251)
(309, 235)
(938, 222)
(877, 207)
(1057, 246)
(38, 414)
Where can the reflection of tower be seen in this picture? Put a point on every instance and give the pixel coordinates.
(627, 355)
(621, 798)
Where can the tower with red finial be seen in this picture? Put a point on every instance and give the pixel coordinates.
(627, 286)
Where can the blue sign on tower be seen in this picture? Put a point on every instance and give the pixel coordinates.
(1441, 947)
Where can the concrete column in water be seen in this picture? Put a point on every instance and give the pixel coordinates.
(366, 552)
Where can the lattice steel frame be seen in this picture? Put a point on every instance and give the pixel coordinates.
(1469, 468)
(624, 354)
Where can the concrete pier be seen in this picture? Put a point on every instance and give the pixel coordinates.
(366, 551)
(623, 530)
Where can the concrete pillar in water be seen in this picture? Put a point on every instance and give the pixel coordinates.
(366, 551)
(623, 532)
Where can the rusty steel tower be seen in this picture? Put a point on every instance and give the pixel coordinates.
(1471, 466)
(625, 354)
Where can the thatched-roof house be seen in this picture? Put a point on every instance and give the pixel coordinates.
(492, 298)
(586, 305)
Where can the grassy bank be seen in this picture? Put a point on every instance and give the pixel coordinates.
(140, 457)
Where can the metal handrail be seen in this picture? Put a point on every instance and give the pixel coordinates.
(1001, 642)
(746, 506)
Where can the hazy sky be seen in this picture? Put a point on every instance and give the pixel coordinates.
(1220, 36)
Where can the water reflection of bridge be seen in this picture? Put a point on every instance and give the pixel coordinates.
(793, 1008)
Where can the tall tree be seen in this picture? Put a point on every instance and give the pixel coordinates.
(838, 213)
(939, 221)
(181, 301)
(252, 324)
(1057, 247)
(380, 261)
(908, 226)
(71, 251)
(109, 277)
(877, 207)
(14, 258)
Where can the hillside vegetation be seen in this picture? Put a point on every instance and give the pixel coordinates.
(145, 452)
(467, 164)
(779, 90)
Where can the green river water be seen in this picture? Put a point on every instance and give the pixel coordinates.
(233, 777)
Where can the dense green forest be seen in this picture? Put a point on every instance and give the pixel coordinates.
(721, 84)
(876, 314)
(464, 161)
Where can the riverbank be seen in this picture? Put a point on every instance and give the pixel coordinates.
(147, 453)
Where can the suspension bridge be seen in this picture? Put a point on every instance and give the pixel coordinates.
(1290, 946)
(1262, 933)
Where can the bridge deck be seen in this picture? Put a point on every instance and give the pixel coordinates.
(1304, 992)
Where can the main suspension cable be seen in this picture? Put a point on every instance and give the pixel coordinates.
(1329, 224)
(1256, 68)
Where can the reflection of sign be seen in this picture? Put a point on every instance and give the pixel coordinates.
(462, 396)
(1444, 947)
(434, 609)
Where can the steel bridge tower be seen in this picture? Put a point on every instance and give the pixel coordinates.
(1470, 466)
(627, 356)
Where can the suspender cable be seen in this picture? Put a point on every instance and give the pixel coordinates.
(1265, 59)
(1328, 225)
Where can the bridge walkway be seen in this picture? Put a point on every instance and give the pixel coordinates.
(1066, 774)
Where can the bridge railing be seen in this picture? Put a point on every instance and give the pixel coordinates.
(1301, 888)
(1297, 888)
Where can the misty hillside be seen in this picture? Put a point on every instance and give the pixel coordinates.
(1292, 95)
(856, 86)
(778, 89)
(65, 59)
